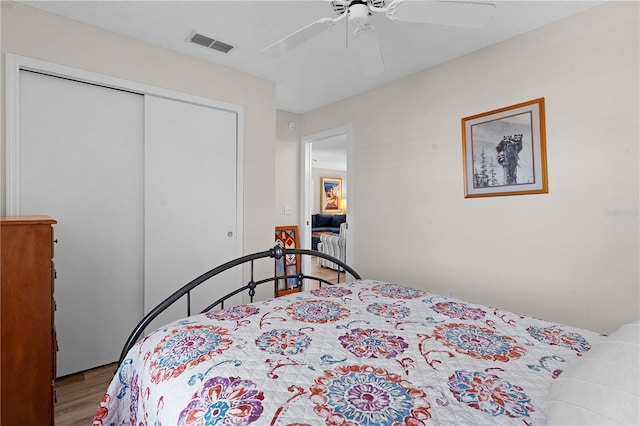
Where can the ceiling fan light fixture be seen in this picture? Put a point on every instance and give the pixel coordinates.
(341, 6)
(359, 14)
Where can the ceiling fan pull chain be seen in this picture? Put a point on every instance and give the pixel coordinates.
(346, 34)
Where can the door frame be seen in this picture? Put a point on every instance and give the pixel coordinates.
(16, 63)
(305, 188)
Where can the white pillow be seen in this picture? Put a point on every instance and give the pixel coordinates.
(602, 387)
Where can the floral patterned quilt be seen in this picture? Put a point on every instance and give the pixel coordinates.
(361, 353)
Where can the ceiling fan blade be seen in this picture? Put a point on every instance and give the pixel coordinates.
(284, 45)
(367, 50)
(450, 13)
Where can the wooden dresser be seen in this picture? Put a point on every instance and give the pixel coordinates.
(27, 330)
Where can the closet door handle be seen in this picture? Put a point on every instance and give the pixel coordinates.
(230, 234)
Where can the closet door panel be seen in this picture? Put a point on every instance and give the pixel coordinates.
(81, 156)
(190, 200)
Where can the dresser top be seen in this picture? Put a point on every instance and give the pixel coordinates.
(18, 220)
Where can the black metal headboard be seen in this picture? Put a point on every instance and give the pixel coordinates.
(276, 252)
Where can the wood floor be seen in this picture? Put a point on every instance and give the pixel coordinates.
(79, 395)
(325, 273)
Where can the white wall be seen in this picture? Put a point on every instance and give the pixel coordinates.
(571, 255)
(41, 35)
(287, 168)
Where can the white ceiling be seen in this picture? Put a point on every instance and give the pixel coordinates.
(330, 153)
(322, 70)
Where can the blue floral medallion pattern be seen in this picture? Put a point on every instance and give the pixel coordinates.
(332, 291)
(558, 336)
(397, 291)
(317, 311)
(364, 395)
(283, 342)
(372, 343)
(479, 342)
(187, 347)
(234, 313)
(389, 310)
(490, 393)
(458, 310)
(224, 401)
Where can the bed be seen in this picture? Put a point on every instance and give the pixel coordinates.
(364, 352)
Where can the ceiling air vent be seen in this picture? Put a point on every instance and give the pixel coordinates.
(209, 42)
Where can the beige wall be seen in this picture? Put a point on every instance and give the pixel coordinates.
(41, 35)
(571, 255)
(287, 168)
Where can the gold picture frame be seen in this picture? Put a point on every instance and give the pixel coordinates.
(331, 195)
(504, 151)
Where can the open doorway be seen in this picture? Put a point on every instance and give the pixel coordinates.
(328, 147)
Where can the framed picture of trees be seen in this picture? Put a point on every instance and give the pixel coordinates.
(504, 151)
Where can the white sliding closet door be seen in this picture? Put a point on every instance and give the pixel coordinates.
(190, 200)
(80, 161)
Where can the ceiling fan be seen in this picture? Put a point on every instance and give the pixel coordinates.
(357, 14)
